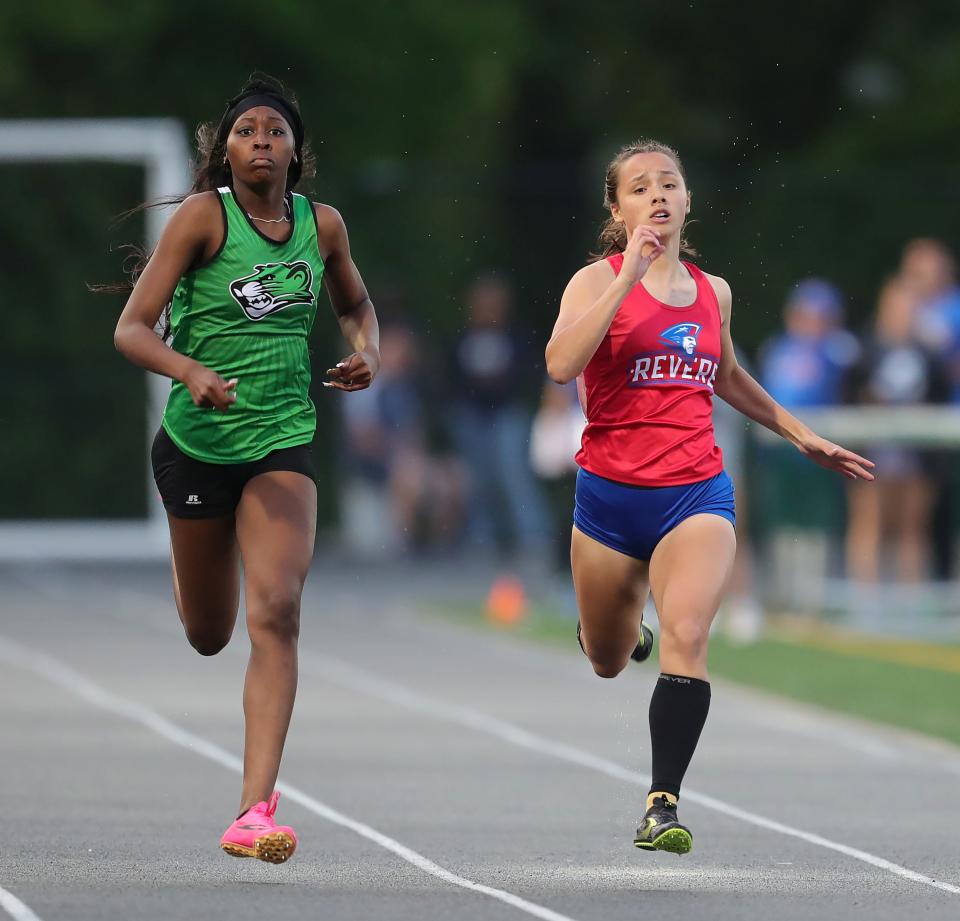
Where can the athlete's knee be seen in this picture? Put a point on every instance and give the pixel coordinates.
(609, 665)
(606, 659)
(685, 637)
(207, 644)
(208, 629)
(609, 669)
(275, 613)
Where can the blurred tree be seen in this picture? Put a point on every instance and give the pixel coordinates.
(459, 137)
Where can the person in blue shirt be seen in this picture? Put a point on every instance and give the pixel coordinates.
(800, 513)
(929, 270)
(806, 364)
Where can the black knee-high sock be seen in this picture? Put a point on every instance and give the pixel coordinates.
(678, 710)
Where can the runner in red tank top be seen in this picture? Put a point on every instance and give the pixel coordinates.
(648, 338)
(648, 389)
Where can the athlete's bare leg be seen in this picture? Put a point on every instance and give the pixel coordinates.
(206, 579)
(611, 589)
(276, 523)
(689, 570)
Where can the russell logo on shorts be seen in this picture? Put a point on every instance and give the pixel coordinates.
(681, 364)
(193, 500)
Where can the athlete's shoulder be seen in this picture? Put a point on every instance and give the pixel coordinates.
(594, 276)
(331, 229)
(196, 218)
(722, 290)
(200, 203)
(328, 218)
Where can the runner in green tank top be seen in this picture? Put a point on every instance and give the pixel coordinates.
(237, 271)
(247, 314)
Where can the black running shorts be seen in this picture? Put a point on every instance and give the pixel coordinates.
(191, 488)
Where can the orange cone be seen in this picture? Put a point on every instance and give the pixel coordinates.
(506, 601)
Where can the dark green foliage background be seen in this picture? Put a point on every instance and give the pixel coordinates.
(456, 137)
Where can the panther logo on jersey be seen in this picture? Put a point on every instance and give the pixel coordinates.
(272, 287)
(682, 336)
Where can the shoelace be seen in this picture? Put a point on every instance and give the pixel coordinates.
(266, 809)
(661, 802)
(272, 804)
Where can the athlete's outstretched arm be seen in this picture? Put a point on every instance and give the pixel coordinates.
(351, 303)
(590, 303)
(195, 229)
(736, 387)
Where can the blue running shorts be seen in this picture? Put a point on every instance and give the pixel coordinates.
(634, 519)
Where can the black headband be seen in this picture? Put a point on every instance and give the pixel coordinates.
(265, 99)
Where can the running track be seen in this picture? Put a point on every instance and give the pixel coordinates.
(432, 772)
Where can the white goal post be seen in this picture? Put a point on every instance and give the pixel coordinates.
(160, 146)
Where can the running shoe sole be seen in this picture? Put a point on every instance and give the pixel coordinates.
(673, 840)
(273, 848)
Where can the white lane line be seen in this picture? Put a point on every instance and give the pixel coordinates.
(789, 719)
(15, 908)
(793, 717)
(357, 679)
(57, 672)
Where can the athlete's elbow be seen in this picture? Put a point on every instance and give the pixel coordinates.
(558, 370)
(560, 376)
(724, 387)
(124, 339)
(120, 338)
(128, 337)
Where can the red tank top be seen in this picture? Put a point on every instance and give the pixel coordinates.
(648, 390)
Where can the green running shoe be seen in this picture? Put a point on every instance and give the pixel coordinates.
(644, 647)
(660, 830)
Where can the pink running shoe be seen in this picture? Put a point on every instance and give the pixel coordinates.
(255, 834)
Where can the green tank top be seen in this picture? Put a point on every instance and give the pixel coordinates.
(247, 314)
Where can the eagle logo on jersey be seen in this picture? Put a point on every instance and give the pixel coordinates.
(682, 336)
(272, 287)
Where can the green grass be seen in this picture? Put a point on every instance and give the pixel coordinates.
(923, 699)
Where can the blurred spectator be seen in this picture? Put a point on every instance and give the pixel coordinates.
(928, 269)
(895, 369)
(398, 497)
(491, 377)
(742, 617)
(806, 364)
(554, 440)
(803, 367)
